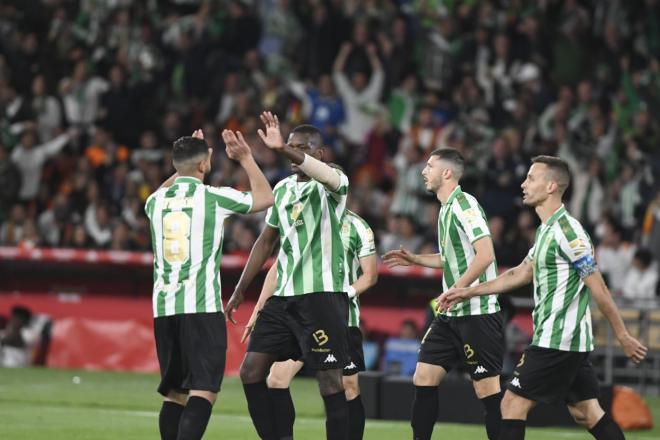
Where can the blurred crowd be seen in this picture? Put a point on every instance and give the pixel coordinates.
(92, 94)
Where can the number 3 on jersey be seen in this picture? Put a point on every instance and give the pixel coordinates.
(176, 233)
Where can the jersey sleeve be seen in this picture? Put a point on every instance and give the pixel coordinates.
(342, 189)
(472, 219)
(530, 254)
(576, 247)
(272, 217)
(151, 202)
(365, 243)
(230, 199)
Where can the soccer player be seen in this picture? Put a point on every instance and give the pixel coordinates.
(556, 366)
(470, 332)
(187, 228)
(358, 240)
(307, 316)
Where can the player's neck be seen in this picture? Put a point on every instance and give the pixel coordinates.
(198, 176)
(547, 208)
(445, 191)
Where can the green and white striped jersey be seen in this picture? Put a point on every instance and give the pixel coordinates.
(308, 218)
(187, 232)
(462, 222)
(562, 255)
(358, 239)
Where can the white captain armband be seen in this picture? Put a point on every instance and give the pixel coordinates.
(585, 266)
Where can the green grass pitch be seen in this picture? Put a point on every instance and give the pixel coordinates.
(47, 404)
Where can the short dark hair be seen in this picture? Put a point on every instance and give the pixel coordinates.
(559, 169)
(644, 256)
(309, 130)
(188, 147)
(22, 312)
(452, 156)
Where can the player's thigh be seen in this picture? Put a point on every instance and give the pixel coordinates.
(282, 373)
(427, 375)
(586, 412)
(355, 352)
(487, 386)
(515, 406)
(330, 381)
(208, 395)
(439, 348)
(321, 328)
(272, 333)
(204, 344)
(482, 344)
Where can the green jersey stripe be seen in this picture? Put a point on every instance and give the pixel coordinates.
(187, 229)
(562, 319)
(311, 257)
(462, 222)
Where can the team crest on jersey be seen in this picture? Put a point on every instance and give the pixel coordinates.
(345, 228)
(295, 212)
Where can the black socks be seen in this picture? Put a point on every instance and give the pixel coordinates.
(424, 412)
(261, 410)
(194, 419)
(336, 416)
(285, 413)
(168, 420)
(493, 415)
(607, 429)
(512, 429)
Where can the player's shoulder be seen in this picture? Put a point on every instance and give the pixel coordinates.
(568, 229)
(159, 193)
(354, 219)
(282, 184)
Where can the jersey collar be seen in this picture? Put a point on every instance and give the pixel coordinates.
(187, 179)
(453, 194)
(556, 215)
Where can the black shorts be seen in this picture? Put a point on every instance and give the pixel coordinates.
(551, 376)
(476, 341)
(355, 352)
(191, 351)
(312, 328)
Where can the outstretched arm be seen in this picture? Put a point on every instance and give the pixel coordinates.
(509, 280)
(403, 257)
(261, 250)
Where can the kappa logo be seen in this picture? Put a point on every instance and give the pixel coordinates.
(350, 366)
(330, 359)
(515, 382)
(480, 370)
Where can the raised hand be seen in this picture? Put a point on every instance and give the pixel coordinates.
(633, 348)
(399, 257)
(272, 137)
(198, 134)
(237, 149)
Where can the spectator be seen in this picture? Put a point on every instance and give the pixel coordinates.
(20, 337)
(360, 95)
(642, 279)
(614, 256)
(30, 158)
(10, 182)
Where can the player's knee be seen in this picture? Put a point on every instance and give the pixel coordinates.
(249, 373)
(351, 388)
(579, 416)
(330, 382)
(425, 377)
(586, 415)
(276, 381)
(513, 407)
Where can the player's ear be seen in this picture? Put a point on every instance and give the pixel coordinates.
(319, 153)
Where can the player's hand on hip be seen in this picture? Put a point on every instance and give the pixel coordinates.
(399, 257)
(272, 136)
(232, 305)
(633, 348)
